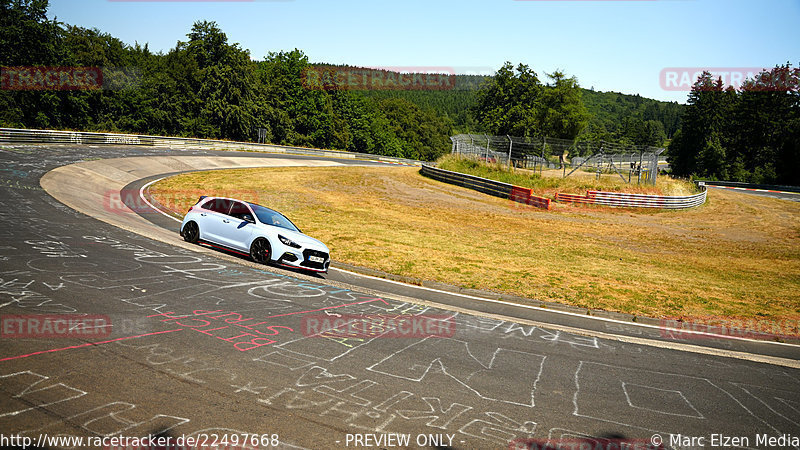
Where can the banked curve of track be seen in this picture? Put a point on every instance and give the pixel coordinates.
(85, 187)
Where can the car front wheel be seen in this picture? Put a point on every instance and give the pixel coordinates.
(260, 251)
(191, 232)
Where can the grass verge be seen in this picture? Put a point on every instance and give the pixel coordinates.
(552, 181)
(738, 256)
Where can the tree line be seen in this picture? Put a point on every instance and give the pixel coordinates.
(750, 134)
(210, 88)
(204, 87)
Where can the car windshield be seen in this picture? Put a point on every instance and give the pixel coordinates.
(270, 217)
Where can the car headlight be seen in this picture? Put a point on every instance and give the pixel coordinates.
(289, 242)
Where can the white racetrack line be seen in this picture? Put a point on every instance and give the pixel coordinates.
(141, 195)
(752, 189)
(501, 302)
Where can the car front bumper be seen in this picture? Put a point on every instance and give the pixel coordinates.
(307, 259)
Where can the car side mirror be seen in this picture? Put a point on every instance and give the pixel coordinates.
(248, 218)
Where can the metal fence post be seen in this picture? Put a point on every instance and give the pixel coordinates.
(510, 144)
(544, 145)
(639, 171)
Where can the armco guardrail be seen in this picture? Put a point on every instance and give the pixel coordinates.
(523, 195)
(490, 187)
(751, 186)
(16, 135)
(623, 200)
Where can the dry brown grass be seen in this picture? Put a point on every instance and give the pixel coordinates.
(737, 256)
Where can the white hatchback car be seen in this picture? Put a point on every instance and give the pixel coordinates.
(266, 235)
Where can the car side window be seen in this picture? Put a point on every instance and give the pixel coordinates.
(218, 205)
(239, 211)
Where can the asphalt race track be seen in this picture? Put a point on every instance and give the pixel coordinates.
(791, 196)
(202, 343)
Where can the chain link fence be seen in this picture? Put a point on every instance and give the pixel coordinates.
(631, 162)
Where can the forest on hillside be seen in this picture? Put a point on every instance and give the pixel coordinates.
(208, 87)
(612, 117)
(211, 88)
(204, 87)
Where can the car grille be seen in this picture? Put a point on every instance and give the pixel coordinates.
(307, 253)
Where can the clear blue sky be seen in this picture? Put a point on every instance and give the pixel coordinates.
(610, 45)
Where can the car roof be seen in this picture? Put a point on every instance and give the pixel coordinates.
(207, 197)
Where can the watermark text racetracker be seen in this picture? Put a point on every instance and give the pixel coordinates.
(68, 78)
(50, 78)
(128, 201)
(709, 327)
(378, 325)
(232, 441)
(24, 326)
(684, 78)
(322, 77)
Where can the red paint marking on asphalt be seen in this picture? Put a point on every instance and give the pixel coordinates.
(88, 344)
(329, 307)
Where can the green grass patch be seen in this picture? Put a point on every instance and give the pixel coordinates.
(551, 181)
